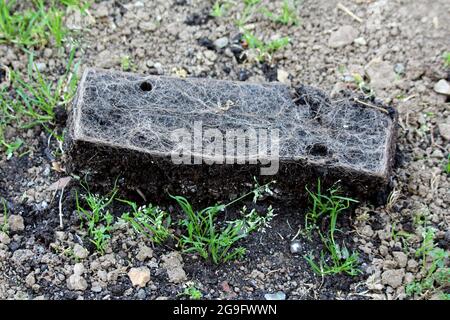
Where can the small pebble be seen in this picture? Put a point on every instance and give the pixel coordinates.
(275, 296)
(296, 246)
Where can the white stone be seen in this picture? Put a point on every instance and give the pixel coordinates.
(30, 280)
(444, 130)
(78, 269)
(295, 246)
(101, 10)
(139, 276)
(148, 26)
(401, 258)
(380, 73)
(393, 278)
(360, 41)
(221, 43)
(77, 283)
(96, 287)
(15, 223)
(144, 253)
(283, 76)
(210, 55)
(80, 252)
(4, 238)
(442, 87)
(173, 263)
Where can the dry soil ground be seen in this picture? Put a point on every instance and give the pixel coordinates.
(396, 46)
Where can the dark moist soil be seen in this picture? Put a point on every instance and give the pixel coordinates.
(410, 34)
(267, 251)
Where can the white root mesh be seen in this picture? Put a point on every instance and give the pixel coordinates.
(114, 109)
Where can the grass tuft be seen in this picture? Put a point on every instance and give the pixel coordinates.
(220, 8)
(265, 50)
(36, 25)
(33, 100)
(436, 274)
(97, 218)
(250, 7)
(150, 221)
(287, 16)
(335, 258)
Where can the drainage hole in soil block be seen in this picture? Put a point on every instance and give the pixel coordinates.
(318, 149)
(146, 86)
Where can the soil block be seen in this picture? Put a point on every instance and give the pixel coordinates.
(121, 130)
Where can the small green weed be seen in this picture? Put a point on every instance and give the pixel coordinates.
(400, 235)
(55, 25)
(11, 147)
(220, 8)
(20, 27)
(80, 4)
(202, 233)
(288, 15)
(264, 49)
(250, 7)
(251, 3)
(150, 221)
(64, 251)
(329, 206)
(39, 96)
(192, 292)
(127, 64)
(207, 239)
(447, 167)
(420, 218)
(362, 85)
(446, 57)
(436, 273)
(97, 218)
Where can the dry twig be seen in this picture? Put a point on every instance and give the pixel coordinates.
(347, 11)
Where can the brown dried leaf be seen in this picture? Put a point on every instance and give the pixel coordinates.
(60, 184)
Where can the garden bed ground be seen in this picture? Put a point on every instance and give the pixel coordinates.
(396, 49)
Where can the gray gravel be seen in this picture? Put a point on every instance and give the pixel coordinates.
(397, 49)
